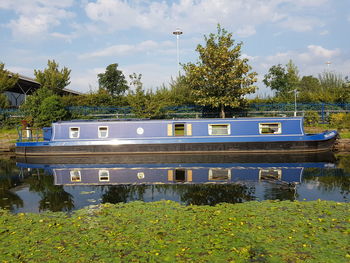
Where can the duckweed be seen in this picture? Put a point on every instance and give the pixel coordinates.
(169, 232)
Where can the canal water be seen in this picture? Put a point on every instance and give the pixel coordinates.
(66, 184)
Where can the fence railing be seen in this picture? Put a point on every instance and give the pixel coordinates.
(193, 111)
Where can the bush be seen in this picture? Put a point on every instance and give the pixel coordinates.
(311, 118)
(50, 110)
(340, 120)
(4, 102)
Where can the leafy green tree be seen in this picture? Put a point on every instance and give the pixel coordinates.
(137, 99)
(283, 80)
(346, 90)
(7, 79)
(333, 87)
(4, 102)
(51, 110)
(44, 107)
(309, 87)
(53, 78)
(180, 93)
(113, 81)
(33, 102)
(220, 77)
(146, 104)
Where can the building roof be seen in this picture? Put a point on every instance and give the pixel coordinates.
(26, 85)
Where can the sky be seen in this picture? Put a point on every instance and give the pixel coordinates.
(88, 35)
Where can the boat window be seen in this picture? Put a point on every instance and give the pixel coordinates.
(102, 132)
(74, 132)
(75, 176)
(270, 128)
(219, 174)
(270, 174)
(179, 129)
(180, 175)
(103, 175)
(219, 129)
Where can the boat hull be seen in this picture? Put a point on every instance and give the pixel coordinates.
(176, 148)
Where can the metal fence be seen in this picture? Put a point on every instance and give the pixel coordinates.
(192, 111)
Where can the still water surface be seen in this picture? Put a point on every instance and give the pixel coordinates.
(66, 184)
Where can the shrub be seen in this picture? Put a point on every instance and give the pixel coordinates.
(340, 120)
(311, 118)
(50, 110)
(4, 102)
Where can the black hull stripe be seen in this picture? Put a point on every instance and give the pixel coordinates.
(233, 147)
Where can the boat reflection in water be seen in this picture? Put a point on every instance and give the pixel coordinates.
(189, 179)
(194, 169)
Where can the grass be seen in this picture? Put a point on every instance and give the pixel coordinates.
(8, 133)
(165, 231)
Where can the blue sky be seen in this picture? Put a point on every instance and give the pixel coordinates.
(88, 35)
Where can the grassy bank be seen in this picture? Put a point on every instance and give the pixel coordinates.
(169, 232)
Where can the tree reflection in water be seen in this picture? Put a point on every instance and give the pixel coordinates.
(196, 194)
(8, 180)
(124, 193)
(329, 180)
(280, 192)
(212, 194)
(53, 197)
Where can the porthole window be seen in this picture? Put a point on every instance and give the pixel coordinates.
(103, 175)
(270, 128)
(140, 131)
(74, 132)
(102, 132)
(75, 176)
(219, 129)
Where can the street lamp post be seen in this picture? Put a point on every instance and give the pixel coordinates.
(178, 32)
(295, 102)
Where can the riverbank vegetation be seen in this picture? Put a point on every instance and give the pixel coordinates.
(165, 231)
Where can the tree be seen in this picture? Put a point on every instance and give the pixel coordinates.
(113, 81)
(309, 88)
(44, 107)
(33, 102)
(137, 99)
(180, 93)
(53, 78)
(146, 104)
(283, 80)
(7, 79)
(4, 102)
(50, 110)
(334, 87)
(220, 77)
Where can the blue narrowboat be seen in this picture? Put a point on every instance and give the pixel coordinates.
(192, 136)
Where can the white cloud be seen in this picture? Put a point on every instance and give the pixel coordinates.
(302, 24)
(34, 18)
(246, 31)
(309, 3)
(321, 52)
(121, 50)
(67, 37)
(195, 15)
(310, 61)
(188, 14)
